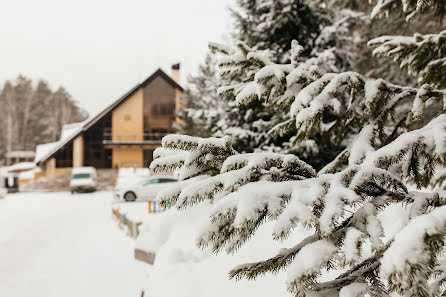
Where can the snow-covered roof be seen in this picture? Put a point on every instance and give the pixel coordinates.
(69, 132)
(22, 166)
(29, 174)
(44, 151)
(71, 129)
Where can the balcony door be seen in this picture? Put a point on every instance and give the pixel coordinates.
(148, 157)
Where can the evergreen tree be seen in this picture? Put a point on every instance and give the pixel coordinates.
(201, 107)
(369, 27)
(392, 146)
(271, 26)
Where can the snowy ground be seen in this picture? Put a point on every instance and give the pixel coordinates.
(58, 244)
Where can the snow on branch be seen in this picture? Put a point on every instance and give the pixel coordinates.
(421, 55)
(410, 8)
(411, 258)
(189, 156)
(311, 100)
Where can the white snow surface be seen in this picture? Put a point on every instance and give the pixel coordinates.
(58, 244)
(409, 247)
(183, 270)
(353, 290)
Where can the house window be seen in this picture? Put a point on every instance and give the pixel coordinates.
(163, 109)
(155, 109)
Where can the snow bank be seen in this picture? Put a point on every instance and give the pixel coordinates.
(135, 211)
(181, 269)
(22, 166)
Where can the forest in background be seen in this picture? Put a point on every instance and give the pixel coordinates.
(32, 113)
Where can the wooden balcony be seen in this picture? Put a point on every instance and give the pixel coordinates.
(146, 138)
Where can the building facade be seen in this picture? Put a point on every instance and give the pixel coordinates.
(125, 134)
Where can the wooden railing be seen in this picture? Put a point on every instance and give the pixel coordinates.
(133, 138)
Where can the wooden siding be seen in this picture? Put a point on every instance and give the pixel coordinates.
(127, 119)
(127, 156)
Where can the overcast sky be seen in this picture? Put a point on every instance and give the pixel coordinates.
(98, 49)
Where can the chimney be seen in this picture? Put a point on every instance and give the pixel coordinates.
(176, 73)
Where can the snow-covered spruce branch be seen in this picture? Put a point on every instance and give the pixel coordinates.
(203, 156)
(348, 98)
(315, 202)
(354, 100)
(275, 264)
(366, 271)
(410, 8)
(251, 188)
(413, 156)
(236, 171)
(421, 55)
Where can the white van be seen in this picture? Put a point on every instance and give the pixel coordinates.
(83, 179)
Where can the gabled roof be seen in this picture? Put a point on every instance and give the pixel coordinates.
(115, 104)
(49, 149)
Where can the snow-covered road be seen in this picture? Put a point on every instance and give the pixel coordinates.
(58, 244)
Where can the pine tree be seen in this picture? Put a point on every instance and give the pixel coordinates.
(392, 146)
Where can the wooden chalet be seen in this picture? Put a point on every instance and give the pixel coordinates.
(122, 135)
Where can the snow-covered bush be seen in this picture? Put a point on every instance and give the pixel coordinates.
(389, 143)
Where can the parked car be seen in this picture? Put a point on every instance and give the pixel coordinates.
(83, 179)
(145, 190)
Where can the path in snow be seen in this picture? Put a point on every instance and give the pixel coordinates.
(58, 244)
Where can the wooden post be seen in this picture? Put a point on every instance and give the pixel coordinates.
(150, 206)
(131, 228)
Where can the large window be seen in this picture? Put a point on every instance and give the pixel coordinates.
(64, 157)
(163, 109)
